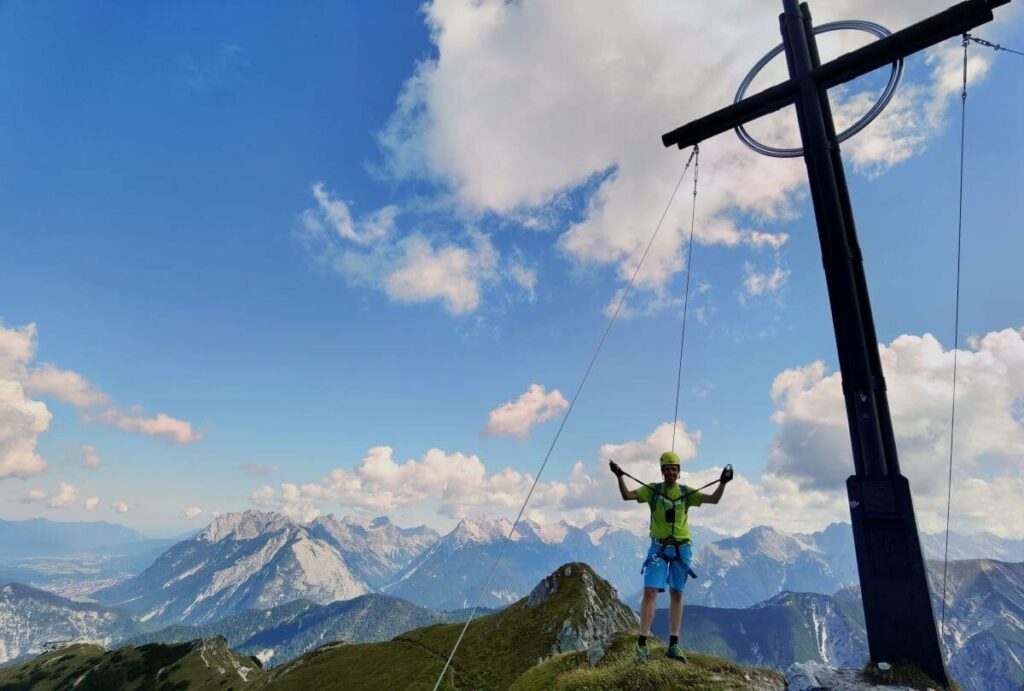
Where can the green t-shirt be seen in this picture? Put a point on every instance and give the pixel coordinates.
(660, 529)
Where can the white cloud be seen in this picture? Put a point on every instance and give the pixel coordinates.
(450, 273)
(23, 419)
(803, 485)
(17, 348)
(120, 506)
(64, 385)
(525, 277)
(515, 418)
(334, 214)
(90, 457)
(265, 496)
(163, 425)
(64, 496)
(639, 455)
(774, 240)
(411, 268)
(811, 453)
(756, 283)
(91, 503)
(457, 482)
(595, 90)
(191, 512)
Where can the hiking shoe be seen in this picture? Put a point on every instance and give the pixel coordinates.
(675, 652)
(640, 654)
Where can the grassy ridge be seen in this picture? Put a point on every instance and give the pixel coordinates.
(618, 671)
(201, 665)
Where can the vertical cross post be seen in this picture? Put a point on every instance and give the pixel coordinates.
(894, 584)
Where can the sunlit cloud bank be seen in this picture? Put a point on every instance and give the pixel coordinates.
(803, 486)
(593, 93)
(23, 418)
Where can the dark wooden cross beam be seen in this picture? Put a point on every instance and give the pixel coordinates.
(894, 584)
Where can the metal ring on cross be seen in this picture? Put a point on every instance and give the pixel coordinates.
(895, 76)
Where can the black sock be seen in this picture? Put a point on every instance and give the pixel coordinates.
(641, 641)
(673, 640)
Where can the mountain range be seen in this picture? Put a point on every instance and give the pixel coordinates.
(260, 560)
(569, 631)
(275, 588)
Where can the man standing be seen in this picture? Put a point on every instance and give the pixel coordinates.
(668, 559)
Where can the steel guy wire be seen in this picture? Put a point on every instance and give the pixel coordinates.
(551, 448)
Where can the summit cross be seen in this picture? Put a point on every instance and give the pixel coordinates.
(894, 583)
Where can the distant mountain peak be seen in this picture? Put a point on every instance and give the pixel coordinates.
(244, 526)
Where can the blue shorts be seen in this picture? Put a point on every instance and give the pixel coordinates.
(658, 574)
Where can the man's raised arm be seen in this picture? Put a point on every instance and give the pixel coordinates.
(715, 496)
(627, 494)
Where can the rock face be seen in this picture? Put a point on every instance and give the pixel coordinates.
(240, 561)
(813, 676)
(29, 618)
(742, 571)
(984, 624)
(375, 549)
(595, 615)
(451, 572)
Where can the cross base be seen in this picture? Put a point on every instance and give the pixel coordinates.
(893, 581)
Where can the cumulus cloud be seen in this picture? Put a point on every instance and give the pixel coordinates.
(334, 215)
(773, 240)
(265, 496)
(811, 452)
(64, 496)
(22, 419)
(90, 457)
(515, 418)
(191, 512)
(457, 482)
(595, 91)
(757, 283)
(410, 267)
(120, 506)
(451, 274)
(91, 503)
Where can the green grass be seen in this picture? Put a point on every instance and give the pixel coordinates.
(904, 673)
(618, 671)
(195, 666)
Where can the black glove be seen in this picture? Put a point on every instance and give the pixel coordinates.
(615, 468)
(726, 474)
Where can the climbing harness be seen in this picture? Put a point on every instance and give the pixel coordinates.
(670, 517)
(674, 545)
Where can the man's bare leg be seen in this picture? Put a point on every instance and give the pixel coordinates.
(647, 610)
(675, 612)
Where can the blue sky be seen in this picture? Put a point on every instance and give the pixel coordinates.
(306, 233)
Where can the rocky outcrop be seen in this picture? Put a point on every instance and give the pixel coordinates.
(595, 613)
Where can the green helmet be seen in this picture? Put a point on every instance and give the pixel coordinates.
(669, 458)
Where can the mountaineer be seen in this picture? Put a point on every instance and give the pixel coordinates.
(668, 559)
